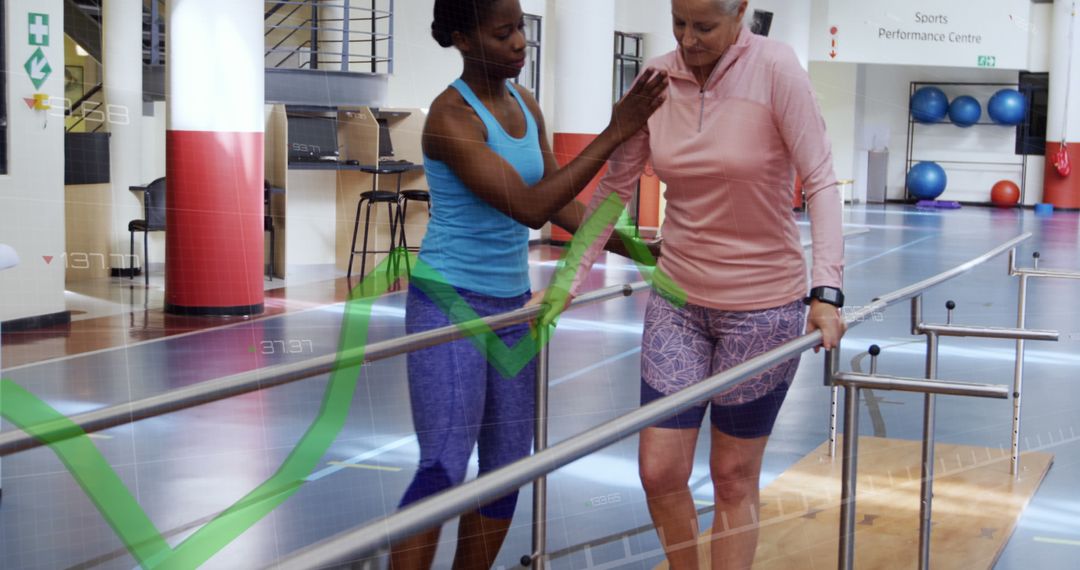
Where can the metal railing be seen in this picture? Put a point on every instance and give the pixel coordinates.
(269, 377)
(436, 509)
(345, 35)
(930, 387)
(422, 515)
(1021, 319)
(87, 109)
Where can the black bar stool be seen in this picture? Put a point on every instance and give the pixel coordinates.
(372, 197)
(406, 197)
(392, 199)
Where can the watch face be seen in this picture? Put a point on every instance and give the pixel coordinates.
(830, 295)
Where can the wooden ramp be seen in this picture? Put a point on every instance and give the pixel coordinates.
(976, 507)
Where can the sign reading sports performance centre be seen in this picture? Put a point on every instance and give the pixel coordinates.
(953, 33)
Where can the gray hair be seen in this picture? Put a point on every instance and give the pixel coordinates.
(728, 7)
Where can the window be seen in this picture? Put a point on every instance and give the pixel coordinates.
(530, 76)
(1031, 134)
(629, 58)
(3, 90)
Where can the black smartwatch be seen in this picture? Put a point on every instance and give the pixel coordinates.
(830, 295)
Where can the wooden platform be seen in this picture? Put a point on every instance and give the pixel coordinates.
(976, 507)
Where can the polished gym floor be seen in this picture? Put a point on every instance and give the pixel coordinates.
(186, 467)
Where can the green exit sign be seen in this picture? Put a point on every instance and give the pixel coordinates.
(987, 61)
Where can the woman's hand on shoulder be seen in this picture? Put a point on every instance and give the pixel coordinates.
(632, 112)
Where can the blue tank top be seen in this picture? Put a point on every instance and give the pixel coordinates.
(469, 243)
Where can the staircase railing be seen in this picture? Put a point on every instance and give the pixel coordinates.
(326, 35)
(86, 109)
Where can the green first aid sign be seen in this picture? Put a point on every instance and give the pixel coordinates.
(38, 28)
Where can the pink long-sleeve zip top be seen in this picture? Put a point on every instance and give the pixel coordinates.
(729, 152)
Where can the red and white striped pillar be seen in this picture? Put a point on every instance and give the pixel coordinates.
(1063, 191)
(583, 82)
(214, 157)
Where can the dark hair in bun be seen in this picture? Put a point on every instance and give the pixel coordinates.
(458, 16)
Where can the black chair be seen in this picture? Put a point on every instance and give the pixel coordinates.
(268, 223)
(153, 221)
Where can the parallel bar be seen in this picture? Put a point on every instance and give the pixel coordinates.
(1018, 378)
(539, 530)
(444, 506)
(1049, 273)
(834, 404)
(916, 314)
(901, 384)
(421, 515)
(832, 364)
(917, 288)
(927, 485)
(989, 332)
(849, 474)
(268, 377)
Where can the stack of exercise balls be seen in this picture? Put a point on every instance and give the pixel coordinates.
(927, 180)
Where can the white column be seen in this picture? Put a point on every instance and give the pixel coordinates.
(8, 259)
(121, 42)
(1063, 191)
(1059, 74)
(584, 49)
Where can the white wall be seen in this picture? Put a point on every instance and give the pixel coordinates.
(1041, 25)
(886, 107)
(835, 85)
(422, 69)
(32, 193)
(651, 18)
(790, 23)
(152, 160)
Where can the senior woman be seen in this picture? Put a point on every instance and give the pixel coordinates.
(740, 122)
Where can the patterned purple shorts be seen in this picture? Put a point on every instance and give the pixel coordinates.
(683, 346)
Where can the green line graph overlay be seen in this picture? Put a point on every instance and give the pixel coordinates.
(133, 526)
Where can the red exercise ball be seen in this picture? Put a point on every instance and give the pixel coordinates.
(1005, 194)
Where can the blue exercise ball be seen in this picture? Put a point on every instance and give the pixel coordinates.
(965, 111)
(929, 105)
(1007, 107)
(926, 180)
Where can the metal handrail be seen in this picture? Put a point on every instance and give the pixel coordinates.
(86, 97)
(314, 24)
(85, 116)
(254, 380)
(922, 386)
(433, 510)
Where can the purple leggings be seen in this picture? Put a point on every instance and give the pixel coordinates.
(460, 401)
(683, 346)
